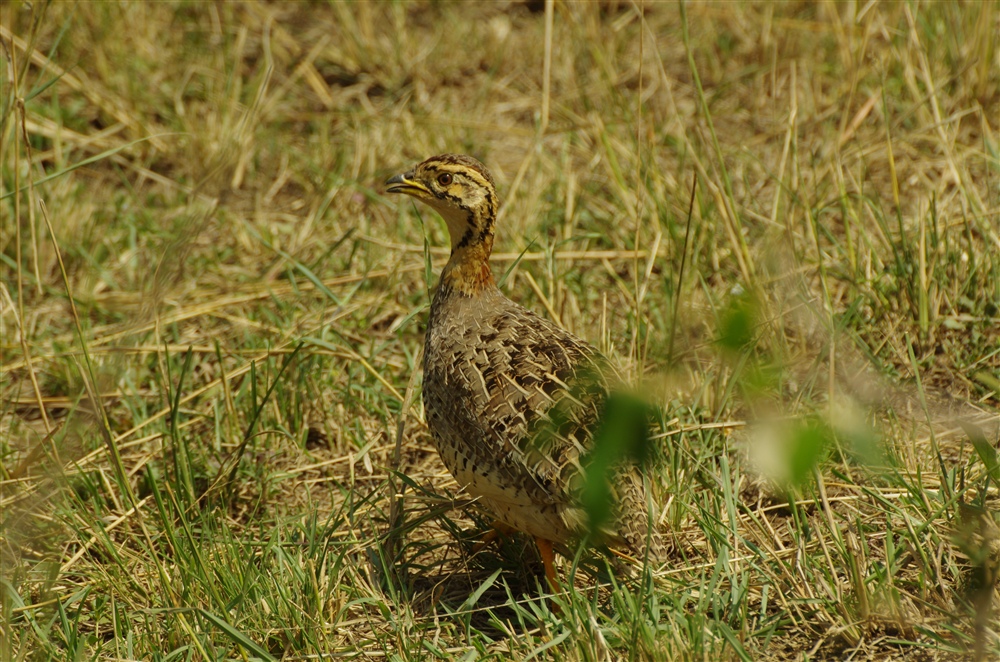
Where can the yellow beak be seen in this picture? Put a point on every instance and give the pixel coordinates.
(405, 183)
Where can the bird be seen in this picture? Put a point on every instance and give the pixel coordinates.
(512, 400)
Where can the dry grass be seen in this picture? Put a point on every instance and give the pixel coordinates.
(211, 439)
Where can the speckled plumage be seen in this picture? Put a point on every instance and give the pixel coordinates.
(511, 399)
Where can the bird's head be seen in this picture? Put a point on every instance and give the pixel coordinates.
(461, 189)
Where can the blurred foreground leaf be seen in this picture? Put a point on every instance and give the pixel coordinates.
(984, 449)
(623, 437)
(737, 321)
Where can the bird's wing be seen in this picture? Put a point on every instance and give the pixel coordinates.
(539, 390)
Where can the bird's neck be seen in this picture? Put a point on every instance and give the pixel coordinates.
(468, 270)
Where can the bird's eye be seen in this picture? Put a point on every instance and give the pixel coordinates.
(444, 178)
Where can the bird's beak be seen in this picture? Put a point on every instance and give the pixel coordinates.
(405, 183)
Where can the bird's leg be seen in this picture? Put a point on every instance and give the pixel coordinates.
(498, 529)
(548, 559)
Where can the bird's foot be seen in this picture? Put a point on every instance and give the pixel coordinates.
(497, 530)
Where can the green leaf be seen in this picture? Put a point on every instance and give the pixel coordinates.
(237, 636)
(737, 322)
(623, 436)
(471, 601)
(984, 449)
(70, 168)
(806, 450)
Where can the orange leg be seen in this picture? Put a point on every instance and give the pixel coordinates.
(499, 529)
(548, 559)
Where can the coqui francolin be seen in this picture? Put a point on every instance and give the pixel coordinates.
(511, 399)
